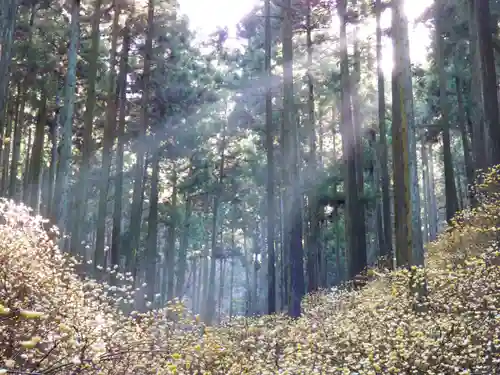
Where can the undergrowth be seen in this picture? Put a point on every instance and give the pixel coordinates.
(52, 322)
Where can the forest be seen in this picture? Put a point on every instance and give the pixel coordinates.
(284, 205)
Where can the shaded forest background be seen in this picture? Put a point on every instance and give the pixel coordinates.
(239, 179)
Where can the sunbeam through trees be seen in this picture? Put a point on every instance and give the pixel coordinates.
(312, 191)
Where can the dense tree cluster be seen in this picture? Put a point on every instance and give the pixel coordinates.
(238, 181)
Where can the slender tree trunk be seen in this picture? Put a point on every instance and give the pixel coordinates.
(293, 211)
(469, 167)
(51, 177)
(62, 188)
(206, 253)
(16, 146)
(194, 287)
(26, 171)
(233, 255)
(271, 214)
(433, 212)
(80, 198)
(8, 20)
(172, 229)
(200, 286)
(7, 141)
(183, 247)
(136, 209)
(425, 178)
(256, 268)
(355, 245)
(108, 138)
(355, 81)
(248, 299)
(210, 300)
(386, 251)
(313, 209)
(37, 153)
(152, 237)
(221, 288)
(458, 183)
(449, 179)
(118, 180)
(16, 151)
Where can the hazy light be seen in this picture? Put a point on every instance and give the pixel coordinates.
(206, 16)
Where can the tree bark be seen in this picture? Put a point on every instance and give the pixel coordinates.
(386, 249)
(62, 188)
(293, 211)
(120, 141)
(152, 236)
(449, 179)
(313, 254)
(137, 195)
(408, 223)
(462, 122)
(37, 153)
(183, 247)
(81, 188)
(356, 246)
(478, 121)
(489, 80)
(108, 138)
(271, 214)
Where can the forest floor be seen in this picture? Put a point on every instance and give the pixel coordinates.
(52, 322)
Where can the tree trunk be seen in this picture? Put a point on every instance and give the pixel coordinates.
(386, 251)
(120, 135)
(16, 149)
(138, 169)
(233, 255)
(462, 122)
(433, 212)
(256, 268)
(271, 214)
(37, 153)
(7, 140)
(355, 245)
(478, 120)
(221, 288)
(183, 247)
(293, 211)
(313, 266)
(489, 80)
(26, 170)
(449, 179)
(406, 191)
(51, 178)
(425, 186)
(206, 253)
(108, 137)
(8, 20)
(62, 189)
(360, 219)
(170, 249)
(210, 299)
(81, 187)
(152, 237)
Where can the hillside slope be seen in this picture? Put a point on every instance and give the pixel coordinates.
(51, 322)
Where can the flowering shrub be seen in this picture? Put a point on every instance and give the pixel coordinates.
(52, 322)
